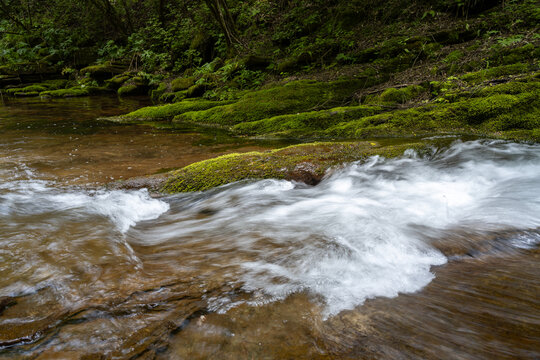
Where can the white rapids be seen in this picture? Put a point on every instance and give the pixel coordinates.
(363, 232)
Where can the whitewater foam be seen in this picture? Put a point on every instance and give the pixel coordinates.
(123, 208)
(360, 233)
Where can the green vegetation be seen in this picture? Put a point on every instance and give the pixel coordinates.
(73, 92)
(296, 96)
(167, 112)
(306, 123)
(480, 116)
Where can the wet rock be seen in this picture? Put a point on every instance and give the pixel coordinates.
(307, 173)
(5, 302)
(153, 183)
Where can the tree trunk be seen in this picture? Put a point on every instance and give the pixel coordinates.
(220, 11)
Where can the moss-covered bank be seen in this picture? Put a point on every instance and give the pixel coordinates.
(167, 111)
(305, 162)
(292, 97)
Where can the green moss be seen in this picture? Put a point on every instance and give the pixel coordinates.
(506, 56)
(28, 68)
(182, 83)
(73, 92)
(293, 97)
(512, 88)
(35, 89)
(167, 112)
(25, 91)
(173, 97)
(103, 71)
(116, 81)
(474, 115)
(129, 89)
(27, 94)
(495, 72)
(55, 84)
(453, 56)
(159, 91)
(304, 124)
(196, 90)
(306, 162)
(397, 96)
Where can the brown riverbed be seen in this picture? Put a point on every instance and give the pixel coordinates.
(409, 259)
(63, 141)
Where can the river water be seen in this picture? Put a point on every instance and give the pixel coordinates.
(431, 256)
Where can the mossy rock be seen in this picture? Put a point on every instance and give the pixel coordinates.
(472, 116)
(27, 94)
(73, 92)
(293, 97)
(173, 97)
(182, 83)
(36, 89)
(117, 81)
(28, 91)
(156, 93)
(196, 90)
(56, 84)
(166, 112)
(295, 63)
(496, 72)
(132, 89)
(306, 162)
(305, 124)
(397, 96)
(104, 71)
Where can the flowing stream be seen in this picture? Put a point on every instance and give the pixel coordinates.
(425, 256)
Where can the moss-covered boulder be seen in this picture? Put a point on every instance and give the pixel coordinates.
(306, 162)
(182, 83)
(74, 92)
(496, 72)
(161, 89)
(484, 115)
(117, 81)
(36, 89)
(196, 90)
(166, 112)
(104, 71)
(293, 97)
(306, 123)
(397, 95)
(172, 97)
(31, 90)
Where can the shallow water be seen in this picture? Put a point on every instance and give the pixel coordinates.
(62, 140)
(432, 257)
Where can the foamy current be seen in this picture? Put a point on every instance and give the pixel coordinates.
(366, 231)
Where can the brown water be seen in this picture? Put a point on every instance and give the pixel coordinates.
(63, 141)
(431, 257)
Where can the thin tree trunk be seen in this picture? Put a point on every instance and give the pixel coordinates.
(220, 11)
(128, 15)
